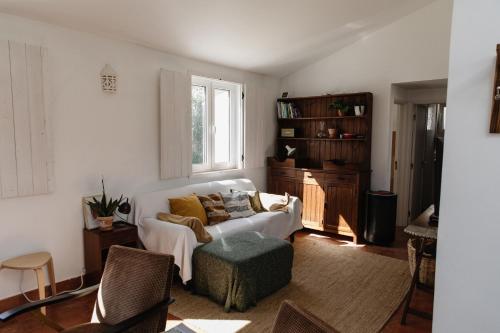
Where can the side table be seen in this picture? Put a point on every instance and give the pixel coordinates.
(97, 243)
(421, 234)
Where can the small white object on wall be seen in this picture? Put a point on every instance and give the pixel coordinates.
(108, 79)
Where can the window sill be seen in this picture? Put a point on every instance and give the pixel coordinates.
(212, 173)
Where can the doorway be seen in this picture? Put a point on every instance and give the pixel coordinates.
(418, 130)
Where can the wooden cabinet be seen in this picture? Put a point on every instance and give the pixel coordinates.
(97, 243)
(332, 201)
(282, 184)
(329, 173)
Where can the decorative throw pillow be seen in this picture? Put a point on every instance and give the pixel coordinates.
(254, 197)
(188, 206)
(194, 223)
(237, 204)
(214, 208)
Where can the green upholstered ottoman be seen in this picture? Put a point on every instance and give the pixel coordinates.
(238, 270)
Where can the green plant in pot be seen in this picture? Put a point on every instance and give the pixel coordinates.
(340, 107)
(103, 209)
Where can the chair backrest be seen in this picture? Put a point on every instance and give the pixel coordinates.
(293, 319)
(133, 281)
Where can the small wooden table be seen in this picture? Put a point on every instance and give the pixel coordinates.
(35, 262)
(97, 243)
(422, 234)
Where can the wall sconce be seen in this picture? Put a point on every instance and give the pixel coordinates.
(108, 79)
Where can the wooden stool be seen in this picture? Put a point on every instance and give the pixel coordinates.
(35, 262)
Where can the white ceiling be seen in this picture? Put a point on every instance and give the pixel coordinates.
(274, 37)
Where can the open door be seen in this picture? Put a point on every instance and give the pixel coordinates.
(403, 153)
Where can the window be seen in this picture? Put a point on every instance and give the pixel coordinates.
(216, 124)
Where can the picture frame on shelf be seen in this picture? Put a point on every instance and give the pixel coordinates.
(89, 222)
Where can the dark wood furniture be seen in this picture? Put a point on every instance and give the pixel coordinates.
(97, 243)
(495, 112)
(333, 195)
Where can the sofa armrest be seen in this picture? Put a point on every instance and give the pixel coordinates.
(175, 239)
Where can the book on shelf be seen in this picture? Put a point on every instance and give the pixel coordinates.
(287, 110)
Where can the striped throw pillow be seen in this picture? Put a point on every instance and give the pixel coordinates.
(237, 204)
(214, 208)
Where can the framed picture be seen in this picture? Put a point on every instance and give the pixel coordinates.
(89, 220)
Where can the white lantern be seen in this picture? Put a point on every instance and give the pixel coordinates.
(108, 79)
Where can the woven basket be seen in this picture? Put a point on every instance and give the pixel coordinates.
(427, 267)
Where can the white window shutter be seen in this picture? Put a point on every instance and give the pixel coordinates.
(254, 127)
(175, 125)
(25, 164)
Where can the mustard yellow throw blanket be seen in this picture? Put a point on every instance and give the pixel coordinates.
(192, 222)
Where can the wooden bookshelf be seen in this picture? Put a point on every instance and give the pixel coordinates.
(315, 109)
(333, 198)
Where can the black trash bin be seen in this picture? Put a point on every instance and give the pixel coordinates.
(380, 223)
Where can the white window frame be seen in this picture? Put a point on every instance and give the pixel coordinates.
(236, 128)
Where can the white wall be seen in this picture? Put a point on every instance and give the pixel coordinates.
(468, 269)
(97, 134)
(414, 48)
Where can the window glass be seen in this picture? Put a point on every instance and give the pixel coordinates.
(222, 123)
(199, 123)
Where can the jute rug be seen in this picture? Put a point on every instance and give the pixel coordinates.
(353, 291)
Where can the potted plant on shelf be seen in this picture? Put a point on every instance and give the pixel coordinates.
(103, 210)
(340, 107)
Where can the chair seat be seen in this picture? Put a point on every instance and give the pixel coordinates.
(28, 261)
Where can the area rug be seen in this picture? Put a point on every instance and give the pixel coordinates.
(352, 290)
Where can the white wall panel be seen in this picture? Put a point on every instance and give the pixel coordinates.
(37, 118)
(8, 168)
(22, 129)
(24, 168)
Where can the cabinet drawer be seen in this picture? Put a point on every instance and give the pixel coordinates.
(283, 173)
(310, 177)
(118, 238)
(341, 178)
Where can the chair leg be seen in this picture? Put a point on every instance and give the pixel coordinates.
(41, 286)
(414, 281)
(50, 269)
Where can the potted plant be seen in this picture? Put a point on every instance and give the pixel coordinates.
(340, 107)
(103, 210)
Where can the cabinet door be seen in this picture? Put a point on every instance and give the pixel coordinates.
(310, 190)
(340, 208)
(280, 185)
(313, 200)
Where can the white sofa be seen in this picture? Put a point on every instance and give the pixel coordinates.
(180, 240)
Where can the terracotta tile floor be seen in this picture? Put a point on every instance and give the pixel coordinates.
(79, 311)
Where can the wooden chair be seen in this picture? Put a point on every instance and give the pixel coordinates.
(133, 296)
(293, 319)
